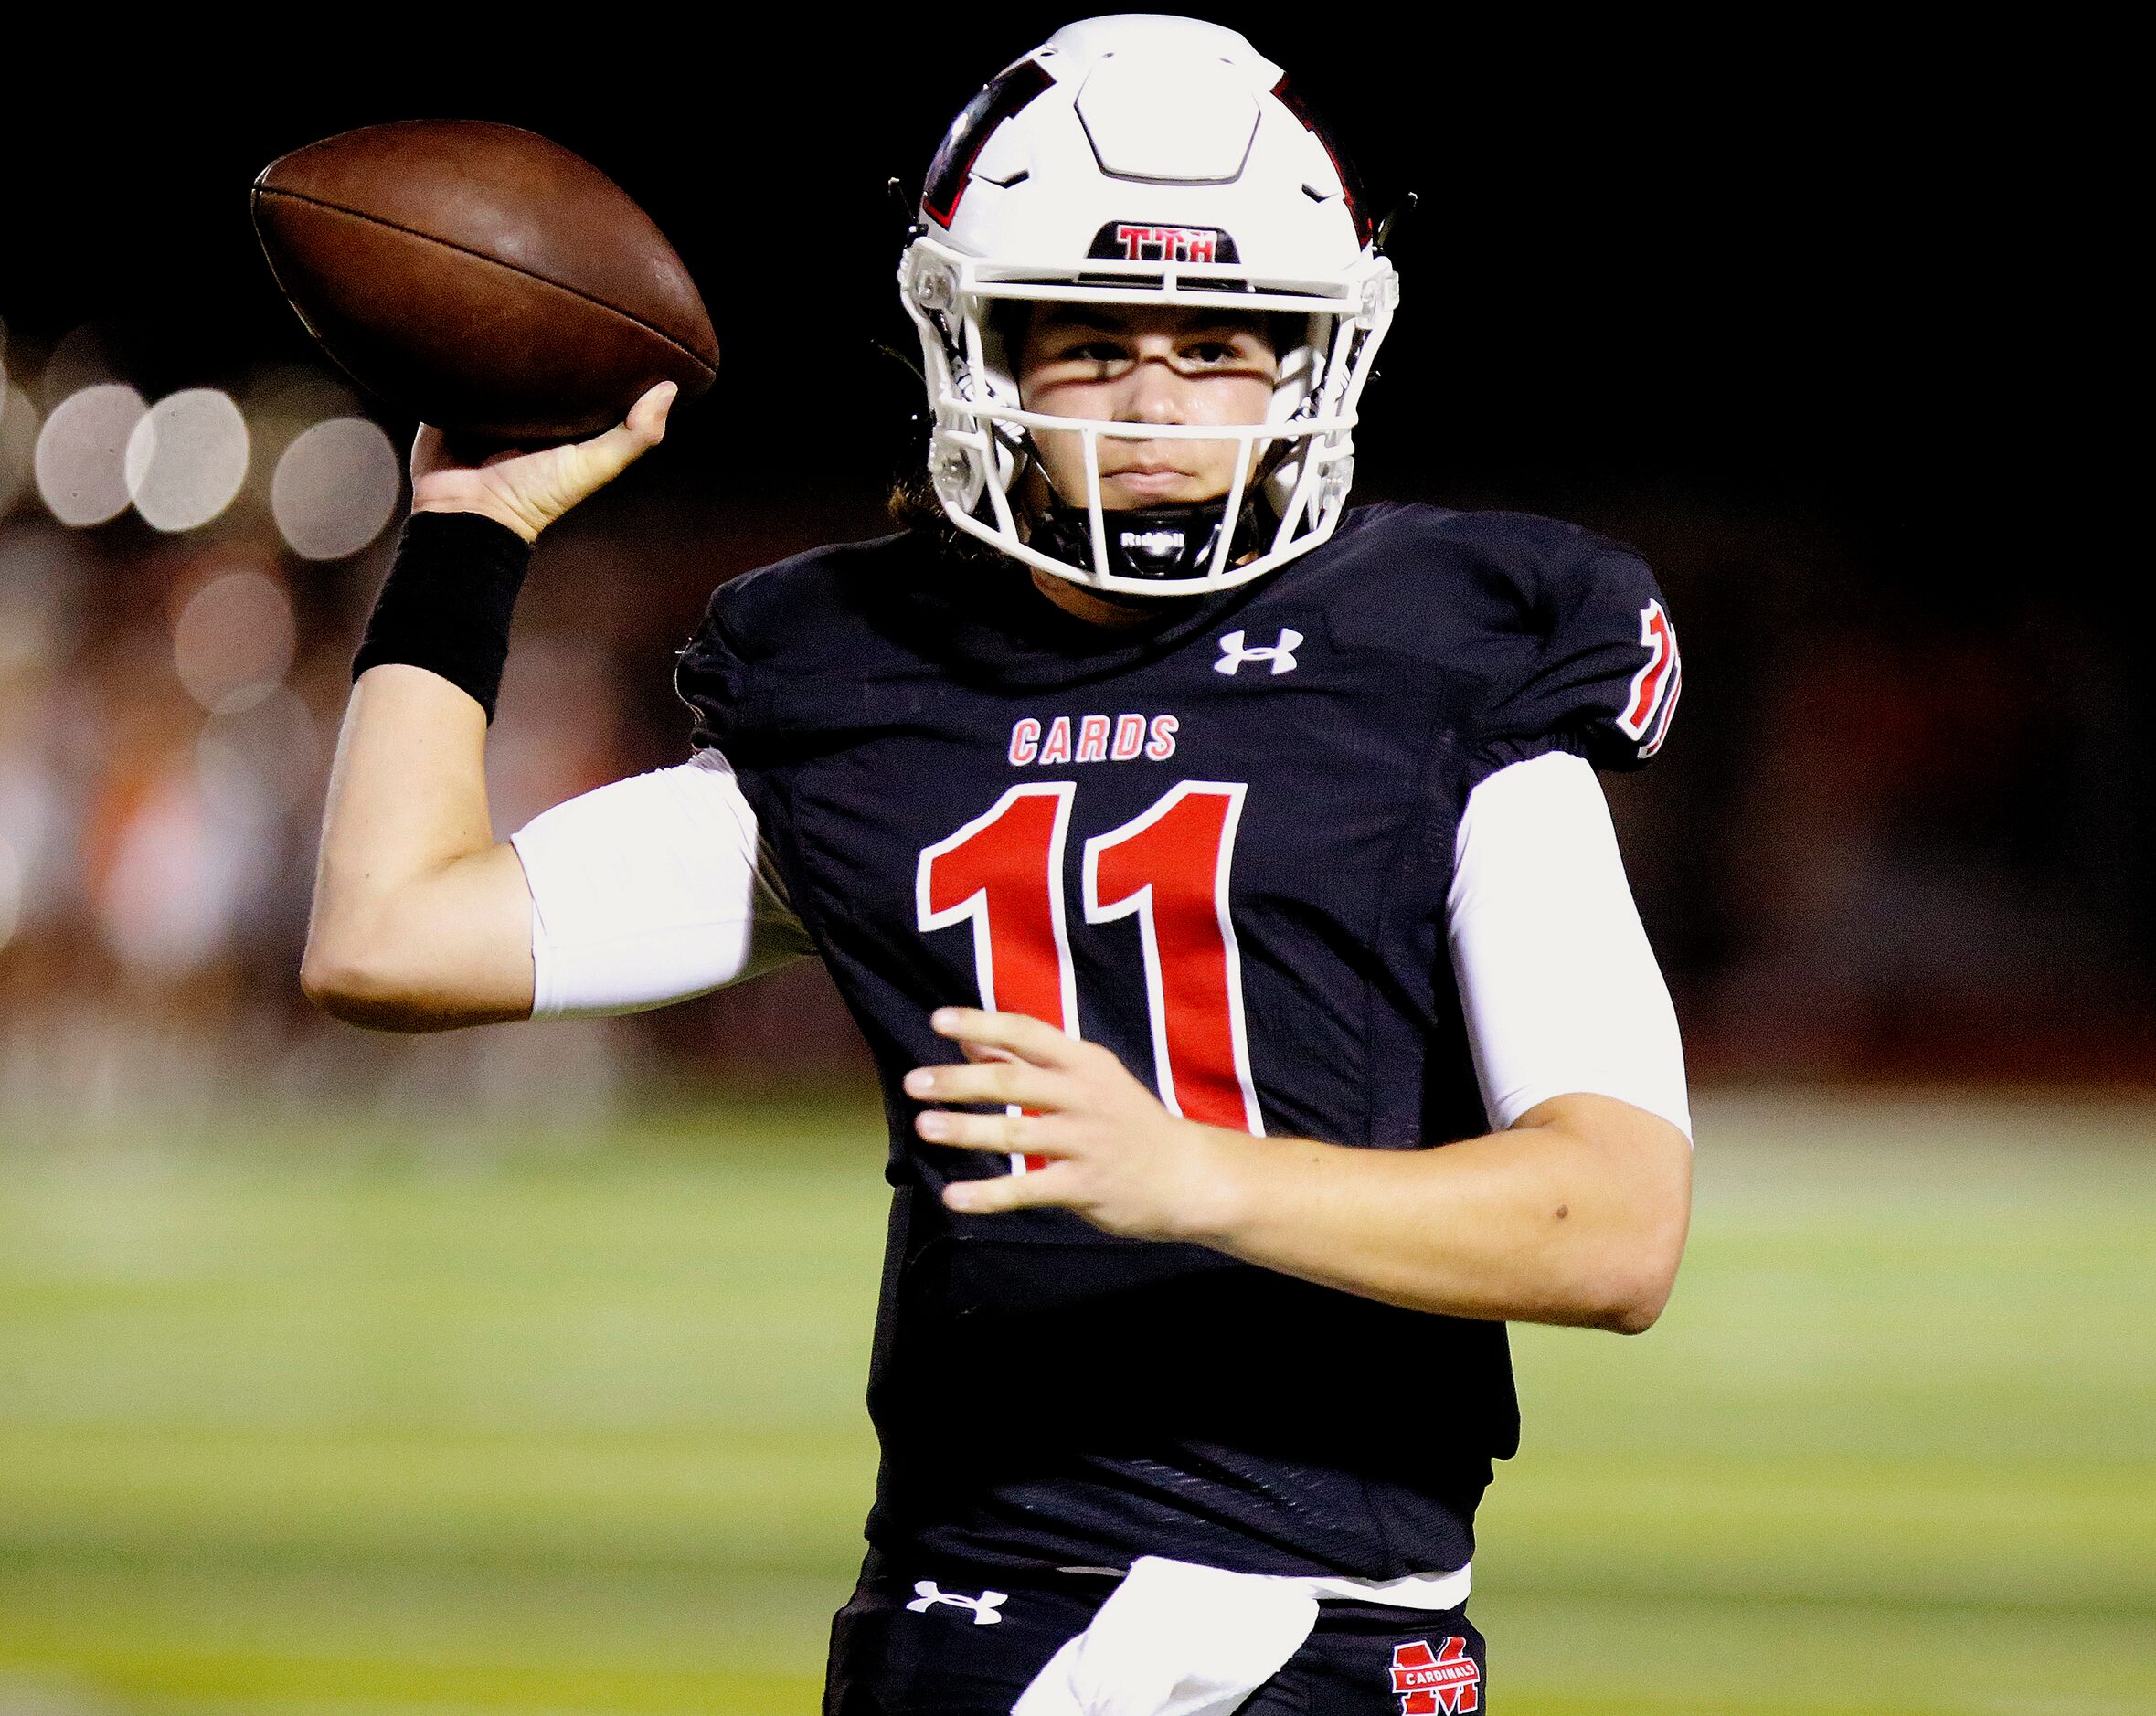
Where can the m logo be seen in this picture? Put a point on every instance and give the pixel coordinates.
(1445, 1681)
(985, 1606)
(1232, 654)
(1141, 241)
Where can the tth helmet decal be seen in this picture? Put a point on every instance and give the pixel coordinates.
(1145, 160)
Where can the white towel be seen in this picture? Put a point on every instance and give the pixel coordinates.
(1174, 1639)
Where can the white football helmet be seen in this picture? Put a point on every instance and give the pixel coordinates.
(1146, 160)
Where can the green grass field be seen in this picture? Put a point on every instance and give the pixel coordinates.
(333, 1421)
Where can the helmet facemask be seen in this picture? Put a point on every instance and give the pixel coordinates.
(963, 274)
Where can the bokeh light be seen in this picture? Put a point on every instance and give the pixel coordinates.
(182, 870)
(187, 459)
(11, 890)
(232, 643)
(281, 403)
(277, 744)
(79, 359)
(18, 442)
(81, 456)
(42, 577)
(335, 488)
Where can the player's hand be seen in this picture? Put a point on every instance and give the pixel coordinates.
(528, 491)
(1114, 1154)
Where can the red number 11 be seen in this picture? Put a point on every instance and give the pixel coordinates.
(1168, 868)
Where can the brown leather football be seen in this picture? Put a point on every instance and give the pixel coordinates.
(482, 278)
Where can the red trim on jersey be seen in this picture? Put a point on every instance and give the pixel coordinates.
(1654, 686)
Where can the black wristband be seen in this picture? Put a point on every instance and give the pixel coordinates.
(446, 603)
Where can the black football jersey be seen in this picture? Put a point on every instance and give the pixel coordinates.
(1219, 844)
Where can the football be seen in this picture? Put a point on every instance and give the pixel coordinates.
(482, 278)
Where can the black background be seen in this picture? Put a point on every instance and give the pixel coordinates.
(1818, 316)
(1782, 271)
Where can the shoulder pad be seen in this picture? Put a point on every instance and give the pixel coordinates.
(1604, 674)
(1566, 630)
(799, 618)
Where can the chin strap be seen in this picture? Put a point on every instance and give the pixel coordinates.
(1151, 542)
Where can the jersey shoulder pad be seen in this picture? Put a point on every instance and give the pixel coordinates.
(768, 633)
(1566, 630)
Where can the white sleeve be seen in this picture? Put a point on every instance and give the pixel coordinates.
(1560, 990)
(650, 891)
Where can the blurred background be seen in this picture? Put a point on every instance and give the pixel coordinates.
(520, 1369)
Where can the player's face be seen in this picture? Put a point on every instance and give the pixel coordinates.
(1144, 364)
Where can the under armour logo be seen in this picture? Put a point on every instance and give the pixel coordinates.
(1281, 654)
(985, 1606)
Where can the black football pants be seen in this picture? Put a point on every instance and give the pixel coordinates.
(942, 1658)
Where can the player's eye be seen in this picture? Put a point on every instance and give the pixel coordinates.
(1217, 354)
(1094, 350)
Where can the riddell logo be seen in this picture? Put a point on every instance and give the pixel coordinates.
(1141, 241)
(1445, 1681)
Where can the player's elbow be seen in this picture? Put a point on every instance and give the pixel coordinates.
(1636, 1311)
(346, 987)
(360, 984)
(1624, 1299)
(1633, 1287)
(1629, 1213)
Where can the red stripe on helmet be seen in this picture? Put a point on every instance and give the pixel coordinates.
(1350, 184)
(952, 170)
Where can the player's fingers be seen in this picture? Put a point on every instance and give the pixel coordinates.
(429, 451)
(1004, 1134)
(1041, 1187)
(647, 416)
(605, 457)
(1025, 1036)
(989, 1081)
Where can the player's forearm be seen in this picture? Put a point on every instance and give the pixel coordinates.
(419, 919)
(1576, 1215)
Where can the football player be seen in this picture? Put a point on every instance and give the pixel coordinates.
(1218, 875)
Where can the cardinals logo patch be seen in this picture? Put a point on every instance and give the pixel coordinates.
(1445, 1681)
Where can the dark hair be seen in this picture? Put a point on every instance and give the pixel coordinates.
(913, 507)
